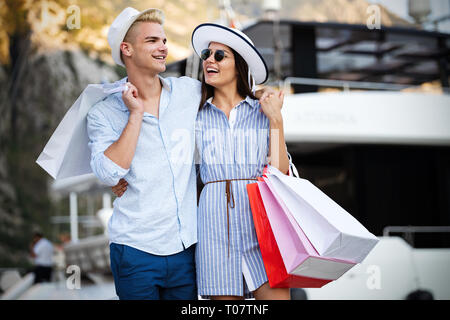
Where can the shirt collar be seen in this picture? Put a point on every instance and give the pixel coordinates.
(252, 103)
(165, 84)
(209, 101)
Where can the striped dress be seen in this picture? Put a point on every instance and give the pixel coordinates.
(228, 257)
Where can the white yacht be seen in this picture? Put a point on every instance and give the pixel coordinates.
(367, 120)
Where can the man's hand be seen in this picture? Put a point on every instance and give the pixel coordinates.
(130, 98)
(120, 188)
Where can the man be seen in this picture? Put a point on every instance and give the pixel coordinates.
(153, 229)
(41, 251)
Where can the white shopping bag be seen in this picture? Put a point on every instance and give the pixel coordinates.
(331, 230)
(67, 154)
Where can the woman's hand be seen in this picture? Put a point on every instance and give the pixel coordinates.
(130, 98)
(120, 188)
(264, 91)
(271, 105)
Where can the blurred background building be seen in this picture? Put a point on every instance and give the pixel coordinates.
(365, 120)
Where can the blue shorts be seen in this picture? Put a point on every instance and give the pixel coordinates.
(139, 275)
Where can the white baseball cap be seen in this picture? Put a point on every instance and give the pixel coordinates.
(206, 33)
(119, 29)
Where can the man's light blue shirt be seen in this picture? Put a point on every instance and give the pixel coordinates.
(158, 212)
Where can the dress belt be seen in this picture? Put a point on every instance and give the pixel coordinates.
(230, 201)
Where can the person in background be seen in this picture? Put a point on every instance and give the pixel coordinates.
(41, 251)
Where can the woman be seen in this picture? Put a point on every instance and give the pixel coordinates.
(233, 142)
(235, 136)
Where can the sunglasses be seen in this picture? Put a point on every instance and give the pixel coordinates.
(218, 55)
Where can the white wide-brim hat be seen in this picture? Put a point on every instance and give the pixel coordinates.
(119, 29)
(206, 33)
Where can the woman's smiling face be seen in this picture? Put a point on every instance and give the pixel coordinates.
(219, 73)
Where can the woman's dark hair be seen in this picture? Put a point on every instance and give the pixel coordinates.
(243, 87)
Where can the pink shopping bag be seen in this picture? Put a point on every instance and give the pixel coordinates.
(332, 231)
(273, 262)
(299, 256)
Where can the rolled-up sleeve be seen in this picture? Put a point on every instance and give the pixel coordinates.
(101, 135)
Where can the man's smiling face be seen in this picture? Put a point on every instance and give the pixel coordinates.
(147, 46)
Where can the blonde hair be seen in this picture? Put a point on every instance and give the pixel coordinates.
(153, 15)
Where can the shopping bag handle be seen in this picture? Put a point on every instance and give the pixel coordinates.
(292, 169)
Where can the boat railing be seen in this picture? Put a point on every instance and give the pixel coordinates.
(346, 85)
(409, 231)
(90, 254)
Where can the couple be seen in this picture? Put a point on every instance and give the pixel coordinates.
(134, 139)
